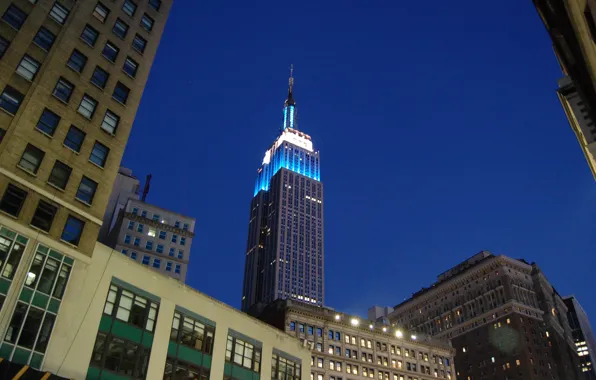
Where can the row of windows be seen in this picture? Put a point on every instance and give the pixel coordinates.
(397, 364)
(153, 232)
(382, 376)
(157, 218)
(13, 200)
(137, 242)
(156, 261)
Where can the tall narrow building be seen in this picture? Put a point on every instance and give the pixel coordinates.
(284, 252)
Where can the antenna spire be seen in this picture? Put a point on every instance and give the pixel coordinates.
(290, 113)
(291, 80)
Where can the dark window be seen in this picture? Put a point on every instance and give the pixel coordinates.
(89, 35)
(10, 100)
(110, 51)
(87, 106)
(121, 93)
(59, 13)
(3, 46)
(155, 4)
(99, 154)
(31, 158)
(72, 230)
(77, 61)
(74, 138)
(60, 175)
(129, 7)
(177, 368)
(100, 77)
(44, 39)
(44, 216)
(120, 356)
(86, 191)
(63, 90)
(286, 369)
(139, 44)
(13, 200)
(28, 67)
(130, 67)
(48, 122)
(147, 22)
(120, 28)
(14, 16)
(101, 12)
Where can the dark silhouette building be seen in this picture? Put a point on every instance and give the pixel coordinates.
(583, 336)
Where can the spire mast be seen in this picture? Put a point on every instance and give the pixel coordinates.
(290, 113)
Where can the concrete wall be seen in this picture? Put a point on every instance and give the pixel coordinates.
(71, 345)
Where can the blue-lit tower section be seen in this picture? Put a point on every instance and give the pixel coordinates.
(285, 250)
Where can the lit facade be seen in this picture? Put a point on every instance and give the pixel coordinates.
(285, 250)
(583, 336)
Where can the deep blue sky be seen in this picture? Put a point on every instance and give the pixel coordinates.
(438, 125)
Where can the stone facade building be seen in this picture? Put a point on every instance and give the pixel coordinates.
(346, 347)
(503, 317)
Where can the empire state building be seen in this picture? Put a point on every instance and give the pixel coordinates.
(284, 250)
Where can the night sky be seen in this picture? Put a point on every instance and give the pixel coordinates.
(438, 124)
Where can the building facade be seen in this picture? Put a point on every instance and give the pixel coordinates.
(112, 318)
(347, 347)
(583, 336)
(571, 25)
(154, 236)
(285, 245)
(503, 317)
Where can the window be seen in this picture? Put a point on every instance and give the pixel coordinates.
(99, 154)
(14, 16)
(89, 35)
(77, 61)
(11, 203)
(156, 263)
(135, 211)
(140, 227)
(144, 213)
(168, 266)
(120, 28)
(3, 46)
(127, 239)
(147, 22)
(180, 254)
(177, 270)
(87, 106)
(337, 335)
(155, 4)
(74, 138)
(162, 235)
(133, 255)
(172, 251)
(174, 238)
(159, 248)
(60, 175)
(44, 39)
(185, 228)
(131, 308)
(110, 122)
(48, 122)
(110, 51)
(284, 369)
(101, 12)
(149, 245)
(191, 333)
(120, 357)
(31, 158)
(73, 229)
(63, 90)
(44, 215)
(131, 225)
(129, 7)
(177, 224)
(86, 191)
(182, 240)
(130, 67)
(139, 44)
(155, 217)
(292, 326)
(151, 232)
(59, 13)
(10, 100)
(100, 77)
(121, 93)
(137, 243)
(243, 354)
(28, 68)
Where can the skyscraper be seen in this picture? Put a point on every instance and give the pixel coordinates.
(583, 336)
(284, 252)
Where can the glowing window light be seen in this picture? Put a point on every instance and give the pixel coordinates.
(399, 334)
(337, 317)
(355, 322)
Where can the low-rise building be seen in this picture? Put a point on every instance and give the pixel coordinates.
(348, 347)
(108, 317)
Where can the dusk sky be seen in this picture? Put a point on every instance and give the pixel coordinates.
(438, 124)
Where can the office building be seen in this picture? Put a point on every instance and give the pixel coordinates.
(113, 318)
(503, 317)
(154, 236)
(284, 253)
(571, 25)
(583, 336)
(345, 346)
(144, 232)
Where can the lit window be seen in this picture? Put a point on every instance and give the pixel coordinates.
(48, 122)
(87, 106)
(59, 13)
(243, 354)
(28, 67)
